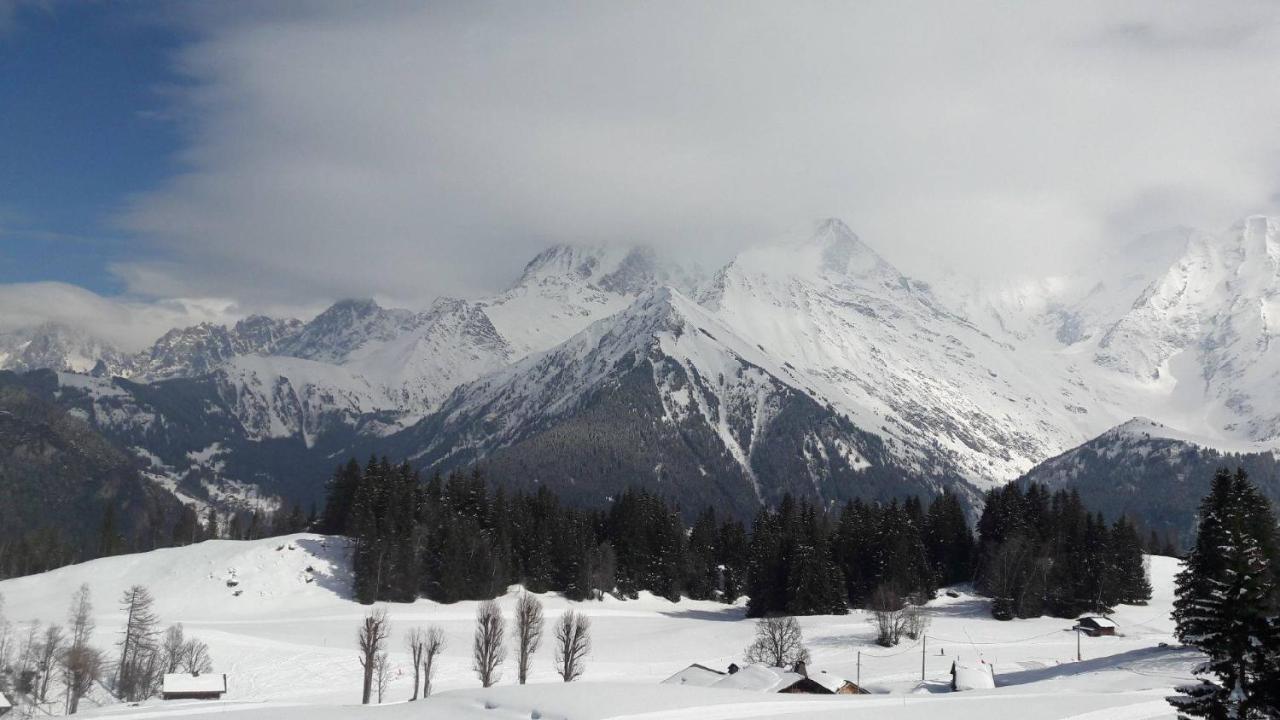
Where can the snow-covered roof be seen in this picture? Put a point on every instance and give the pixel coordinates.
(760, 678)
(4, 702)
(696, 676)
(1098, 621)
(827, 680)
(188, 683)
(974, 676)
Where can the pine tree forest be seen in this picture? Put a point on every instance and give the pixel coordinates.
(462, 538)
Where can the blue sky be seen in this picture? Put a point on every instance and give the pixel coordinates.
(84, 114)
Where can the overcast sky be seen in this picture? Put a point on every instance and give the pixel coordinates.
(278, 156)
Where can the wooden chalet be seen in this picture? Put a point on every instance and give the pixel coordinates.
(1095, 625)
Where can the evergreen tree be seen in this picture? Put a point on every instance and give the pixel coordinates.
(1130, 583)
(1226, 603)
(339, 499)
(948, 541)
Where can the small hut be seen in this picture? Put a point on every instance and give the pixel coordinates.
(188, 686)
(5, 705)
(1094, 626)
(972, 676)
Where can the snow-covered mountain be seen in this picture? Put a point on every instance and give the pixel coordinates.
(199, 349)
(59, 347)
(810, 365)
(663, 393)
(566, 288)
(882, 349)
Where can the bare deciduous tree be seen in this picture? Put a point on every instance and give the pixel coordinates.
(915, 621)
(489, 648)
(573, 642)
(528, 632)
(195, 657)
(46, 658)
(371, 637)
(6, 636)
(778, 643)
(381, 673)
(81, 668)
(173, 648)
(26, 665)
(81, 664)
(434, 646)
(416, 640)
(887, 615)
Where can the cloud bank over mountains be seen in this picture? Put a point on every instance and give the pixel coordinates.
(411, 152)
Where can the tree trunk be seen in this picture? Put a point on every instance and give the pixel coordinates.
(368, 682)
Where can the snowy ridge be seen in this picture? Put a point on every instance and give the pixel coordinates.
(276, 397)
(566, 288)
(886, 352)
(661, 322)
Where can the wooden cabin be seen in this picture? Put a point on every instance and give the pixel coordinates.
(187, 686)
(1094, 626)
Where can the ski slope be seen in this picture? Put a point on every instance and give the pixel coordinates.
(287, 642)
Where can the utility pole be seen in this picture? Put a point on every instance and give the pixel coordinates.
(1078, 657)
(924, 642)
(859, 682)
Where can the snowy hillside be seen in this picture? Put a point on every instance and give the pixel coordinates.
(277, 619)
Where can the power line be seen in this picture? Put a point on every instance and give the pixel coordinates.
(1000, 642)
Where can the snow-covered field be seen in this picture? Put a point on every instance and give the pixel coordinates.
(287, 641)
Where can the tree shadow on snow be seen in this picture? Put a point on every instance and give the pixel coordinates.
(1172, 661)
(336, 552)
(729, 614)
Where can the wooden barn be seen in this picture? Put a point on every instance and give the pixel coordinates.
(186, 686)
(1093, 626)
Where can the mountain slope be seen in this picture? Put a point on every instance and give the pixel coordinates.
(661, 395)
(199, 349)
(1150, 471)
(881, 348)
(53, 468)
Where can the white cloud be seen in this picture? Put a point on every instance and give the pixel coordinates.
(416, 151)
(130, 324)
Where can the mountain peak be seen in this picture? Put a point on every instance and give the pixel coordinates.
(352, 307)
